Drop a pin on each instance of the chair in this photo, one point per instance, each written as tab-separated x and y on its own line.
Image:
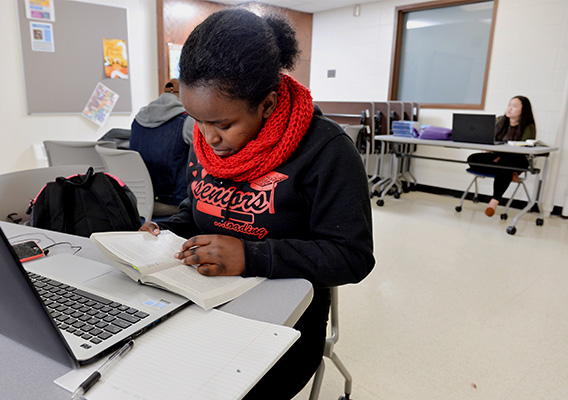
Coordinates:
480	175
18	188
63	152
353	131
118	135
130	168
329	353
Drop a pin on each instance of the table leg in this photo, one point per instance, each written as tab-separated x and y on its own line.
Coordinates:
393	179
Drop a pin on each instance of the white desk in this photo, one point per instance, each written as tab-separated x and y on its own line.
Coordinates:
403	149
25	374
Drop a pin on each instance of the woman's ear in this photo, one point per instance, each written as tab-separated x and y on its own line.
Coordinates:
268	105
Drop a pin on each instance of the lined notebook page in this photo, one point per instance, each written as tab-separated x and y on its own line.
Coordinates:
196	354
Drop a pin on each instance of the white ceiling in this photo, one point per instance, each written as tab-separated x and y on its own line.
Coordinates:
309	6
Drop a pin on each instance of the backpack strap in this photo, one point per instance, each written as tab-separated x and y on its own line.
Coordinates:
67	187
127	198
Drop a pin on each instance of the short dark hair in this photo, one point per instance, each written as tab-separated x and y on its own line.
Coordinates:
239	53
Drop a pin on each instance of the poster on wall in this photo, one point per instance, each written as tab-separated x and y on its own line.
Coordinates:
41	34
40	9
100	104
173	54
115	58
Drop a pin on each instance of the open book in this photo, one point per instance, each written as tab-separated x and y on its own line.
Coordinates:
150	260
526	143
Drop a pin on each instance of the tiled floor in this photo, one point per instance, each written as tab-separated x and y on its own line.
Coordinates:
456	308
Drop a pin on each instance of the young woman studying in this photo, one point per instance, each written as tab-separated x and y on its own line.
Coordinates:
518	125
274	189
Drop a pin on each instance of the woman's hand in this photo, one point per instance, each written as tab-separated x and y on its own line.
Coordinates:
151	227
214	254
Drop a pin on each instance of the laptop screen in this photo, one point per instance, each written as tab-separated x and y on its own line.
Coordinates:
473	128
23	315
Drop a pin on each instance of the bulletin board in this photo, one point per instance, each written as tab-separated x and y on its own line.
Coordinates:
62	81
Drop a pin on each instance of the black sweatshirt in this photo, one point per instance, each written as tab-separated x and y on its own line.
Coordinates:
309	218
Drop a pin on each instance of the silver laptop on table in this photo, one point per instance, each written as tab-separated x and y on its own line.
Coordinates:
75	310
474	128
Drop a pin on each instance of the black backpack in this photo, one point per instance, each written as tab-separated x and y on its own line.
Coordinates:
83	204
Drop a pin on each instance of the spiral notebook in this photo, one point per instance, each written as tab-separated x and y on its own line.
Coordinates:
198	354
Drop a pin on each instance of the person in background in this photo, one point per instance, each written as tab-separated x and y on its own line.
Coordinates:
161	132
275	189
517	125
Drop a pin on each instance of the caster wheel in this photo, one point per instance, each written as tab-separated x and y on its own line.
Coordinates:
475	200
458	208
380	203
391	192
375	193
397	195
539	222
511	230
343	397
504	216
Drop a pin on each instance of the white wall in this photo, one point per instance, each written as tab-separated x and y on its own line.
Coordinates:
530	57
20	131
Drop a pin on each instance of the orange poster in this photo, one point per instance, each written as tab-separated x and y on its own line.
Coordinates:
115	58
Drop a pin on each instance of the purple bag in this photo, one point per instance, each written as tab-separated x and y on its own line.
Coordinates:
436	133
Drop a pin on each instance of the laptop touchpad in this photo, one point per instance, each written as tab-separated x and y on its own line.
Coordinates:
112	282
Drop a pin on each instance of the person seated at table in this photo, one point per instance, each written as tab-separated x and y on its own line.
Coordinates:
161	133
275	189
518	125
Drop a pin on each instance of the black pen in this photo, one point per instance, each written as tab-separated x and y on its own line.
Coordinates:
95	376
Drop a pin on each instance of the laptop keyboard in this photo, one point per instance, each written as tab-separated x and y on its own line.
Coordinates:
87	315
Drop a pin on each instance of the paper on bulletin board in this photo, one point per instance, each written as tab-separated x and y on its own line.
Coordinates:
40	9
100	104
115	58
174	54
41	34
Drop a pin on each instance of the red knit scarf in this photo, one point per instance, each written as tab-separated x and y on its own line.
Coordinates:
277	140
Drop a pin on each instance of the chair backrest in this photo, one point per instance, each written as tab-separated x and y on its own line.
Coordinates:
68	152
119	136
18	188
128	166
353	131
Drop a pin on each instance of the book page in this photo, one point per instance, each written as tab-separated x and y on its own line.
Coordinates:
526	143
196	354
207	291
142	250
517	143
153	257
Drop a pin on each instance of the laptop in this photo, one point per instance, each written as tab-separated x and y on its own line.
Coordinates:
474	128
75	310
